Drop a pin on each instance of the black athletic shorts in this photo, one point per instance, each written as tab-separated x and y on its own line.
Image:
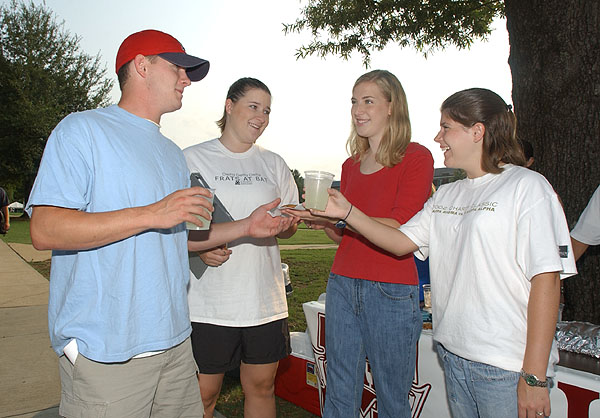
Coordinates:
218	349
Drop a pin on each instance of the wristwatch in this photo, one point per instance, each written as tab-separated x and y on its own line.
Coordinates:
341	224
532	380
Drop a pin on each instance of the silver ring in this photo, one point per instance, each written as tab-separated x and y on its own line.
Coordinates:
540	414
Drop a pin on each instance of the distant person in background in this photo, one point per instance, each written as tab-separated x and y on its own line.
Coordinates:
587	229
238	308
4	215
372	295
528	152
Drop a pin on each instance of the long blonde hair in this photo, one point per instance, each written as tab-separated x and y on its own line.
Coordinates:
398	133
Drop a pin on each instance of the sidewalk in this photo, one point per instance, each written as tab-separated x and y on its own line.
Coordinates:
28	253
29	383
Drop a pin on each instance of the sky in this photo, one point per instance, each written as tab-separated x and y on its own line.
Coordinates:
310	118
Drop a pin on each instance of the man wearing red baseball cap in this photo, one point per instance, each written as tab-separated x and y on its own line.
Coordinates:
147	48
111	200
153	42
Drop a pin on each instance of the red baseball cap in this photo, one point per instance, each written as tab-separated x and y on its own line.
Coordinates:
154	42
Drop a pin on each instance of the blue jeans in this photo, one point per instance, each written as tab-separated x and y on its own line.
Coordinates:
478	390
381	321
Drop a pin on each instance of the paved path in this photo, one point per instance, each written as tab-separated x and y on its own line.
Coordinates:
28	253
29	383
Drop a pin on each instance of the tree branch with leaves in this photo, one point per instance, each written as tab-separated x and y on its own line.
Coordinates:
44	76
341	27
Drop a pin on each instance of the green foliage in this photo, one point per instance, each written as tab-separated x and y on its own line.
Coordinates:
339	27
299	183
44	76
458	175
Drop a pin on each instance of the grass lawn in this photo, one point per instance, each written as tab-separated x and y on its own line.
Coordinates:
19	233
309	270
306	236
19	230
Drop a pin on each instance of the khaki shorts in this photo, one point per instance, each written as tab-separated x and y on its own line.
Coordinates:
163	385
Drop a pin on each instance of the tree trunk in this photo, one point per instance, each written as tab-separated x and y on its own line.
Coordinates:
555	64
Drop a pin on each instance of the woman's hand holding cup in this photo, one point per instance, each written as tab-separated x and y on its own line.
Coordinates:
337	206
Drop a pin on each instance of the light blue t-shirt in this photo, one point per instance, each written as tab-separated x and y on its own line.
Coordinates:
128	297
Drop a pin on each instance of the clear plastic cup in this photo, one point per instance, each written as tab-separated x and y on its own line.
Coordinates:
205	222
427	297
316	184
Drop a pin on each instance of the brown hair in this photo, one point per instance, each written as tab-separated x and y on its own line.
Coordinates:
398	133
237	91
123	73
500	143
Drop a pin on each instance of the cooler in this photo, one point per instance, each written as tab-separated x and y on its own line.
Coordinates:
296	379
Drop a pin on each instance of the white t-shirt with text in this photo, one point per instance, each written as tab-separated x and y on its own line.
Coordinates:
248	289
486	238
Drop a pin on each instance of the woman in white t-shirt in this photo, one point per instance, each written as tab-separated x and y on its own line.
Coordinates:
498	245
238	306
